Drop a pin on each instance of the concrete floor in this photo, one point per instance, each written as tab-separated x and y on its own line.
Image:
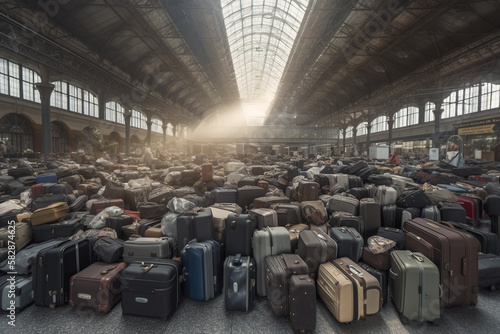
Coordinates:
210	317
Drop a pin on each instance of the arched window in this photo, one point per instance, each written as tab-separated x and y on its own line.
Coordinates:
405	117
59	137
349	132
429	115
157	125
380	124
170	129
16	132
138	120
461	102
361	129
114	112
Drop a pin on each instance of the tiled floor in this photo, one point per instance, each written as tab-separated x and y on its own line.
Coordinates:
210	317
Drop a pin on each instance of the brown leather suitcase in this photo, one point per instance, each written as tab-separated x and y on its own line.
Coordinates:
135	196
49	214
316	247
207	172
455	253
307	191
302	302
314	212
294	231
154	231
98	286
98	206
381	261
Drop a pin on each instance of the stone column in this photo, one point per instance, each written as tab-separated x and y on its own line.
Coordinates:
390	123
164	128
101	105
149	123
437	118
127	114
368	132
45	90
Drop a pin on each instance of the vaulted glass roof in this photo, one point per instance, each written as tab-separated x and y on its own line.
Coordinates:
261	34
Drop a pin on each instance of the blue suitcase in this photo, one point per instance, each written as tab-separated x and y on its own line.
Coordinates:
223	195
452	188
202	279
46	178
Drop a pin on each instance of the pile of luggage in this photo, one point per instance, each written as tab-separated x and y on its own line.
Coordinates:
356	234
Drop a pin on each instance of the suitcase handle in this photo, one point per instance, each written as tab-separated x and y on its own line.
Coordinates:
392	274
237	260
417	257
107	270
146	268
355	271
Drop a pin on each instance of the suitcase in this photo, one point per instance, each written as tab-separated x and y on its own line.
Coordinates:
314	212
266	202
202	274
382	277
453	212
356	167
161	195
97	287
49	214
17	234
307	191
53	269
348	291
148	249
492	208
288	213
151	289
265	217
28	180
366	172
257	170
46	200
431	212
302	303
348	220
380	180
294	231
247	181
389	215
488	241
207	172
238	234
455	256
107	249
414	286
316	247
239	283
219	218
415	199
152	210
98	206
345	204
16	294
395	234
359	192
266	242
62	229
74	181
341	180
114	190
489	270
473	206
355	181
20	172
134	197
386	195
380	261
278	270
467	171
452	188
245	195
223	195
46	178
116	223
79	203
409	213
369	210
349	242
195	224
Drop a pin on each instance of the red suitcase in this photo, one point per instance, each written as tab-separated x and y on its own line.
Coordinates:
473	206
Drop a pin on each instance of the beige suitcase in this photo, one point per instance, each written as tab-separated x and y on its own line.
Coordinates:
49	214
22	235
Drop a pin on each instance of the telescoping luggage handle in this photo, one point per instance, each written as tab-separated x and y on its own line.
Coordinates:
237	260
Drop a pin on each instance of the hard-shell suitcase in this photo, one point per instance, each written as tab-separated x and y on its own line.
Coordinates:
382	277
314	212
97	287
46	178
395	234
160	195
453	212
356	167
53	268
409	213
347	219
269	241
349	242
246	194
473	206
223	195
16	294
98	206
279	269
414	286
195	224
239	282
341	180
345	204
219	218
492	208
49	214
349	292
489	241
288	213
380	261
359	192
302	303
151	289
62	229
431	212
264	217
366	172
148	249
116	223
386	195
307	191
266	202
389	215
78	204
489	270
455	254
369	210
316	247
355	181
202	276
238	234
18	234
415	199
294	231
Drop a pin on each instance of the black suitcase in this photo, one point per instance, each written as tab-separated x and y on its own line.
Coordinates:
349	242
381	276
489	242
53	269
380	180
247	181
359	192
415	199
27	180
197	225
393	234
369	210
116	223
62	229
302	303
79	203
20	172
46	200
489	270
452	212
347	219
239	282
238	234
389	215
467	171
288	213
355	181
246	194
365	173
356	167
151	289
151	210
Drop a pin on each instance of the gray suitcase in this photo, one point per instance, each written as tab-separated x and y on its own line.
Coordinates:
414	286
148	249
269	241
22	294
239	282
265	217
386	195
341	180
343	203
431	212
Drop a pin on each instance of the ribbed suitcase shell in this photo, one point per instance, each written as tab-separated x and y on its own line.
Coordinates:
316	247
79	203
414	286
265	217
239	283
455	257
302	303
389	215
199	227
343	203
431	212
